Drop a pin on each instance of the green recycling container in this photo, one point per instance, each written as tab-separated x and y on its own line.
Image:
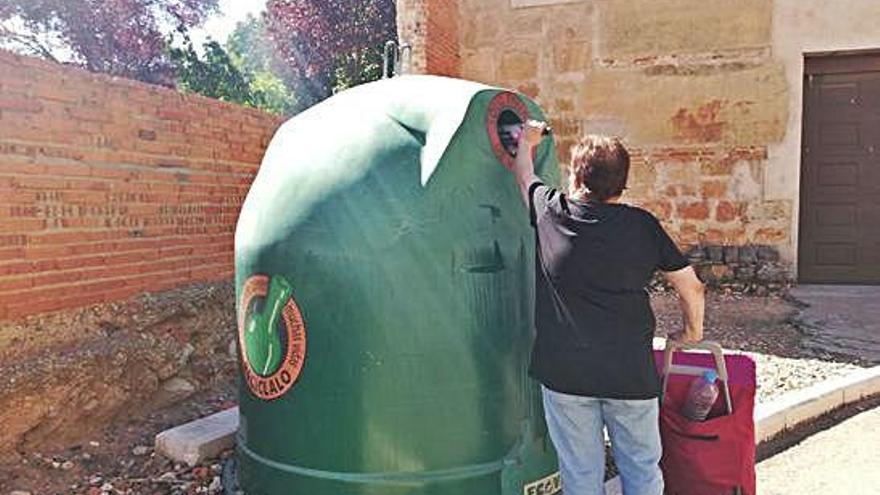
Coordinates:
384	279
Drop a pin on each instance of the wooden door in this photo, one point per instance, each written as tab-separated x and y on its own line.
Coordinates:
840	179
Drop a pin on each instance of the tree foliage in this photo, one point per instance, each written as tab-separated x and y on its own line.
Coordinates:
276	97
327	45
119	37
213	75
250	45
251	49
306	48
216	74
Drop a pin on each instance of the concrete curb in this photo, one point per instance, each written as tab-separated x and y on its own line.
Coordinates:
806	404
801	406
193	442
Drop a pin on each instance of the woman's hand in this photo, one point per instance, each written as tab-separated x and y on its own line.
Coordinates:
533	131
684	336
523	167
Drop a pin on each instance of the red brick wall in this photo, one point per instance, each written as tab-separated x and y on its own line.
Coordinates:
430	27
110	187
442	44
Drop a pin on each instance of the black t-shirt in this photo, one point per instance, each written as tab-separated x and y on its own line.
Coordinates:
595	326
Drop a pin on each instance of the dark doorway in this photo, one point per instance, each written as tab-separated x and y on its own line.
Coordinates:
840	177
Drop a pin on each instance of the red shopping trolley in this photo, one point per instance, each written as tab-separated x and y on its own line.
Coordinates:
716	456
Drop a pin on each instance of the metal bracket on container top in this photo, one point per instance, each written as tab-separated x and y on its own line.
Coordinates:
396	59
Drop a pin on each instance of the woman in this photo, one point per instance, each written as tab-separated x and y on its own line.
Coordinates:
593	353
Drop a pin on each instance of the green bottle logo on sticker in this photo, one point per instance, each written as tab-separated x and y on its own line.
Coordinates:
262	334
272	335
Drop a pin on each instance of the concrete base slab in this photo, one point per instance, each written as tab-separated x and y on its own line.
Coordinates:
193	442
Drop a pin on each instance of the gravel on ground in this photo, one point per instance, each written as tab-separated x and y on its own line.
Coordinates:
121	460
763	328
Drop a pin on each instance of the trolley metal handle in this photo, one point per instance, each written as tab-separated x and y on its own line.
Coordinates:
681	369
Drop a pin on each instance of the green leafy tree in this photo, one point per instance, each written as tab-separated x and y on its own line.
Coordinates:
213	75
327	45
119	37
251	49
276	97
216	74
250	45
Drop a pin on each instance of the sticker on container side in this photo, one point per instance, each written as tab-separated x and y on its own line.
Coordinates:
271	336
544	486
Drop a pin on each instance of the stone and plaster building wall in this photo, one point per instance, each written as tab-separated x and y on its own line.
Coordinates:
707	94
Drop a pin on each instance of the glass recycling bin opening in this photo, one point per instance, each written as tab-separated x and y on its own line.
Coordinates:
384	269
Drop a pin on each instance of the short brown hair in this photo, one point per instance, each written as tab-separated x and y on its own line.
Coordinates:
599	165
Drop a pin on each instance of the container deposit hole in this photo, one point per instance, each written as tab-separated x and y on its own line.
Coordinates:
509	127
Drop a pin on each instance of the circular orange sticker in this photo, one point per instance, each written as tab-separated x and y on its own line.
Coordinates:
271	336
502	102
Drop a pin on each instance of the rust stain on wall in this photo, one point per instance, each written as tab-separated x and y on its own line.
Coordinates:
701	125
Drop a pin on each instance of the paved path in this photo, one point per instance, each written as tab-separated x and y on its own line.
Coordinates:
841	319
843	460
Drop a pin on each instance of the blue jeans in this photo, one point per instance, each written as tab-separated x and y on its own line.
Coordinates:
575	424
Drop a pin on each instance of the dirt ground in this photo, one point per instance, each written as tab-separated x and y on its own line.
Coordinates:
84	392
758	324
118	459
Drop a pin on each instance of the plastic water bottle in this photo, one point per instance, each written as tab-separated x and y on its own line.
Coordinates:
701	396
